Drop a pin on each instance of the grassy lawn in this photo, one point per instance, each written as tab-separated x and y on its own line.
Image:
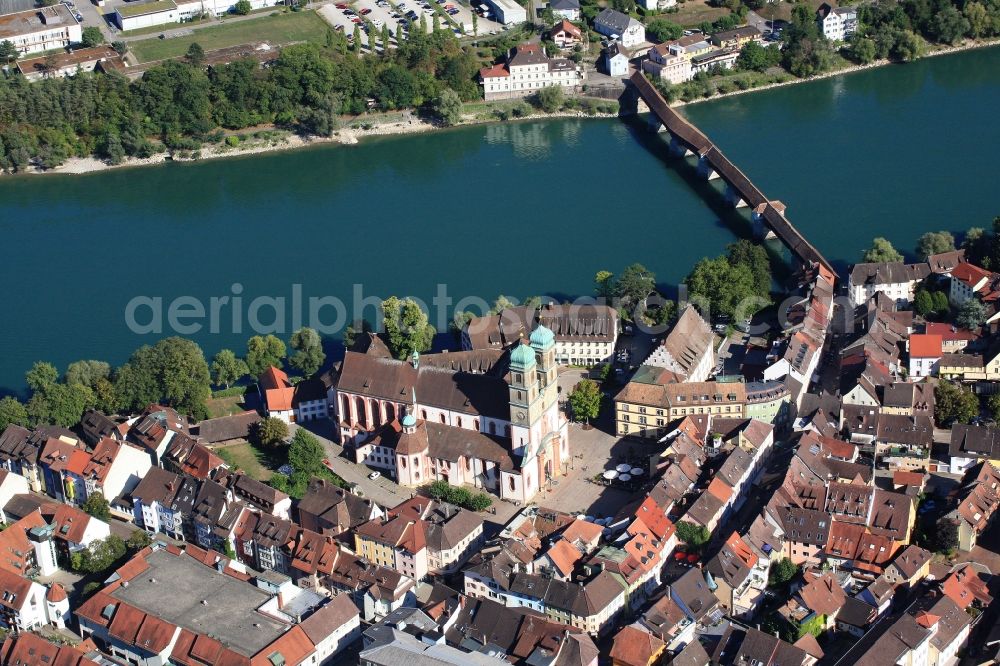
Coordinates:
694	12
224	406
157	29
257	463
281	29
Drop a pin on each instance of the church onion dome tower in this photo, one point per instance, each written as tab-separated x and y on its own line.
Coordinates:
542	338
522	357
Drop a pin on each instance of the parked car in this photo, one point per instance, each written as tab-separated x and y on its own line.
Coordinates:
366	11
374	475
340	6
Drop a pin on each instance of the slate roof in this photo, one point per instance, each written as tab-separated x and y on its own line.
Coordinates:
979	442
613	20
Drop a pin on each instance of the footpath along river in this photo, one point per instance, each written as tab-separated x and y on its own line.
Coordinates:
512	209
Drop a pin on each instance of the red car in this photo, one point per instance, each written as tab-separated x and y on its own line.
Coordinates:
356	20
365	11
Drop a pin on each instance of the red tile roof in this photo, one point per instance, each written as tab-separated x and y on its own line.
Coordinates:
19	588
969	274
29	649
496	71
564	556
901	478
278	391
15	549
949	332
923	345
56	593
70	522
741	550
823	595
294	645
719	489
567	27
964	586
635	647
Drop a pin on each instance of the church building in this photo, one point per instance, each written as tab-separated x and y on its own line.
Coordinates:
488	418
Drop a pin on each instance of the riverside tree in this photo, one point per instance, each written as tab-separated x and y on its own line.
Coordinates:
632	288
448	107
407	328
171	372
12	412
228	368
263	352
87	373
550	99
309	355
881	251
935	242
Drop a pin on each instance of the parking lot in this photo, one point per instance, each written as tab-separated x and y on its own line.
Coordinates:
340	21
379	15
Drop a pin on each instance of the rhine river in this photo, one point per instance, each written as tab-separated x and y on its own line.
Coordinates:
485	210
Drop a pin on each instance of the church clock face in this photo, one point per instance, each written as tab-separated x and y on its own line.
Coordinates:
520	415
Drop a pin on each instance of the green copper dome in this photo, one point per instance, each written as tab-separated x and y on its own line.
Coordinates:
542	337
523	357
409	421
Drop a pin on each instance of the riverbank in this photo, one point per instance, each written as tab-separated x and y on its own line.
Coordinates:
938	51
268	139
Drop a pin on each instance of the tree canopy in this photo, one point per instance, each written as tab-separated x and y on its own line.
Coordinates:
971	314
406	326
881	251
309	355
172	372
954	404
97	506
227	368
263	352
269	432
585	400
12	412
632	288
935	242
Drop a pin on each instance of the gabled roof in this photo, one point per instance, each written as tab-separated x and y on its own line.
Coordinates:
278	391
566	26
28	649
823	595
16	551
634	647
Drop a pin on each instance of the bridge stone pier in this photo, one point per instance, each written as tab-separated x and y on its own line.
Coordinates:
677	147
767	217
706	169
734	197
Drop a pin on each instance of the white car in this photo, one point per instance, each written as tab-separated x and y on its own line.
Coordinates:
374	475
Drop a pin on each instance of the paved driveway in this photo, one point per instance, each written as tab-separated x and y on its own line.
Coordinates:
383	490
